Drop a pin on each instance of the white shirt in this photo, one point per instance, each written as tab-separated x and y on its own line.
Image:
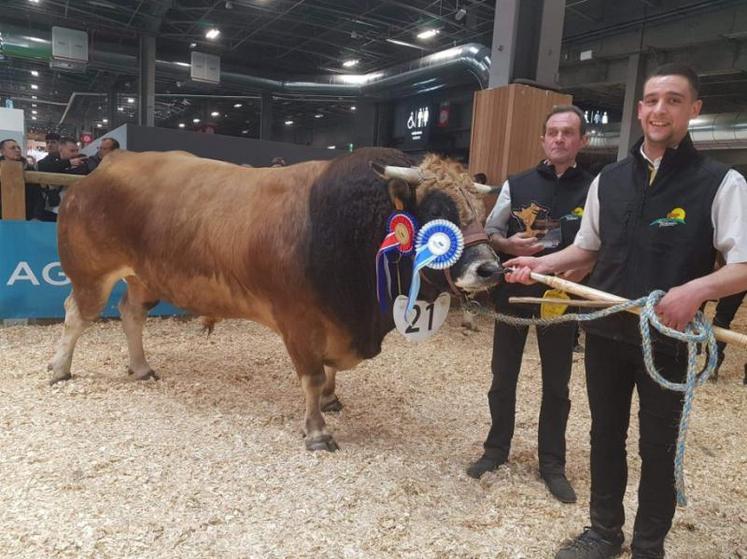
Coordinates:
497	222
728	216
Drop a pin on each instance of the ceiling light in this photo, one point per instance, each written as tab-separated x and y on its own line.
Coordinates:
35	73
33	118
182	125
288	122
215	113
192	45
120	109
212	33
33	112
34	1
34	86
318	115
403	44
353	108
331	147
350	63
427	34
237	105
245	131
99	125
33	96
195	120
33	105
105	121
130	99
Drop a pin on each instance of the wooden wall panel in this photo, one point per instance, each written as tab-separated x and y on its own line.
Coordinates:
506	129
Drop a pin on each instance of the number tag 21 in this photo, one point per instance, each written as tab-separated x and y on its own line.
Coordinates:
425	319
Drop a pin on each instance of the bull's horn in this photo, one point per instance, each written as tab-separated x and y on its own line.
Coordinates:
411	175
486	188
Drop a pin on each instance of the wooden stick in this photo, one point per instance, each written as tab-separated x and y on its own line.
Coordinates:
722	334
57	179
569	302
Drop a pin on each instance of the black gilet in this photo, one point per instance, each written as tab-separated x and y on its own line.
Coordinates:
654	236
560	199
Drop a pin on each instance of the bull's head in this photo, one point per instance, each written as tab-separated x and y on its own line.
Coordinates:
443	190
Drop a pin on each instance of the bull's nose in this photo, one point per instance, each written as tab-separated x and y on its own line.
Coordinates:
489	269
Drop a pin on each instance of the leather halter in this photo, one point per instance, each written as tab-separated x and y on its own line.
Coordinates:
473	234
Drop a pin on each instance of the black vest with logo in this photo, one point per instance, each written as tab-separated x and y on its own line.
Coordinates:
559	200
654	236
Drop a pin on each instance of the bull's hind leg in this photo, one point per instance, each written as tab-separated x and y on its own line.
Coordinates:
329	400
82	307
133	309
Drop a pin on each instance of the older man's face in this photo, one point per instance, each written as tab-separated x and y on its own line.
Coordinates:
105	148
12	151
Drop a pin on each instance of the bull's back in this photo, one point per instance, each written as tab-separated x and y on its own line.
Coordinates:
208	236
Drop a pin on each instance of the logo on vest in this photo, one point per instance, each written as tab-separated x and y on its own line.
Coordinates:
675	217
576	213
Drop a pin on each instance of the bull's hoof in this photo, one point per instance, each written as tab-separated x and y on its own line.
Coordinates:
149	374
323	442
60	378
332	405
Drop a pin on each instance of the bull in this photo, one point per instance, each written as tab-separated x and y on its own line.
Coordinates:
292	248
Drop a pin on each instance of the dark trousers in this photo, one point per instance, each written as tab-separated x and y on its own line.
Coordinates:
612	370
556	348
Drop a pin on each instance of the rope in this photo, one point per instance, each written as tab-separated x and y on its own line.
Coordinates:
699	331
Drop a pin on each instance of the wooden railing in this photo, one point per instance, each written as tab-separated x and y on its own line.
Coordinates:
13	181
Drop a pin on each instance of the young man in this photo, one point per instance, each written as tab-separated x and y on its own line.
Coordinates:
654	220
545	199
67	160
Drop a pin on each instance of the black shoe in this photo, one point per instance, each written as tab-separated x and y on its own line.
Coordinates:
647	555
589	545
484	464
560	487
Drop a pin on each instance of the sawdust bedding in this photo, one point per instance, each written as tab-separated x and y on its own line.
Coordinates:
209	461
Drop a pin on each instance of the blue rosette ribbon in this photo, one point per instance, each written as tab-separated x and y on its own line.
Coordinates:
439	245
400	237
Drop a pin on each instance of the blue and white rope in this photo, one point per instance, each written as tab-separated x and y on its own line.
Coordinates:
699	331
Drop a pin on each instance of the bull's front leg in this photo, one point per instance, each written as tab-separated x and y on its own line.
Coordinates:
317	437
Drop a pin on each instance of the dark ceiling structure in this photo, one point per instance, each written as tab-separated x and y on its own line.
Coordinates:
300	39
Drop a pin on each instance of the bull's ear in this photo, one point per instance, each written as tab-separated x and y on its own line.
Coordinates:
399	191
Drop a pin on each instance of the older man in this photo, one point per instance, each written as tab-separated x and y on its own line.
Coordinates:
10	150
547	201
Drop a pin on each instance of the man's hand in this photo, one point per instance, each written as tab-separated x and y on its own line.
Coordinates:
520	244
522	268
678	307
76	162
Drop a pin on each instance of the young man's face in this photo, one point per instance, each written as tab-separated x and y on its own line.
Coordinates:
53	146
11	150
69	150
562	139
665	111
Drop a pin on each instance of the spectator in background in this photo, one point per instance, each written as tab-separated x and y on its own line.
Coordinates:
68	160
278	162
10	150
31	161
106	146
